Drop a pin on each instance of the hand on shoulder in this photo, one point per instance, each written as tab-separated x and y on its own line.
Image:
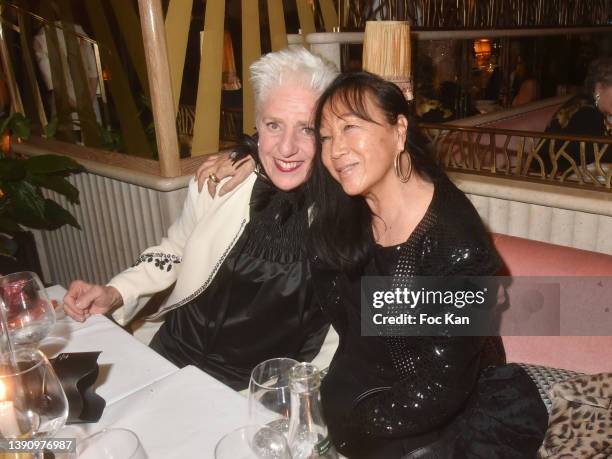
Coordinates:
219	166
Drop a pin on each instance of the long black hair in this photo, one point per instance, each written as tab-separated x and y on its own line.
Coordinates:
340	236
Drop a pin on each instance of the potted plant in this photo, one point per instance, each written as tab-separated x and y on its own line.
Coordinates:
22	203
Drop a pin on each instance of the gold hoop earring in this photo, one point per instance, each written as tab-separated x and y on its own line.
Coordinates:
398	167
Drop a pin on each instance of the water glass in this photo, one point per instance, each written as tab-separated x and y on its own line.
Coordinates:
111	444
269	395
29	313
253	442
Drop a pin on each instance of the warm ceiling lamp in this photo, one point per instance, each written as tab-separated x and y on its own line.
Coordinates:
482	49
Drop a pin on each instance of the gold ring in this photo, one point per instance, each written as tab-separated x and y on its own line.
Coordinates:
213	178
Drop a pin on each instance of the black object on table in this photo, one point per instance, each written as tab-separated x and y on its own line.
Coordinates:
77	372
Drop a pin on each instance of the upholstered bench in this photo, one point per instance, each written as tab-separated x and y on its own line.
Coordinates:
525	257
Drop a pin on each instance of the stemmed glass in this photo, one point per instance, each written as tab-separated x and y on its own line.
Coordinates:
29	313
269	396
111	444
253	442
32	402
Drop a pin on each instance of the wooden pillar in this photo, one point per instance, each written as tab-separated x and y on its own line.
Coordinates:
330	18
16	103
25	38
208	102
276	19
251	50
306	18
160	85
128	26
178	20
136	142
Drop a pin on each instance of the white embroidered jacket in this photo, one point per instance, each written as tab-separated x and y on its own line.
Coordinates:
190	255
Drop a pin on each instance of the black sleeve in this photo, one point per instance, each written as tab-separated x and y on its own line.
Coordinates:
586	121
313	342
437	376
246	146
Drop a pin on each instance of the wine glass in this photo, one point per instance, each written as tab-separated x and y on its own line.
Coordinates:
253	442
29	313
111	444
32	401
269	396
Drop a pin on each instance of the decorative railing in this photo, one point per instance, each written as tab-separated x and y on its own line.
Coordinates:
560	159
477	14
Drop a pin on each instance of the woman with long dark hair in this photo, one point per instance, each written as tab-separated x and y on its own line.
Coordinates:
381	207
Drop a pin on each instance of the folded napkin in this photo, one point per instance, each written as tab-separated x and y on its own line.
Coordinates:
77	372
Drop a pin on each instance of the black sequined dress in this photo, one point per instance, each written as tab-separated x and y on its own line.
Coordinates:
387	396
260	305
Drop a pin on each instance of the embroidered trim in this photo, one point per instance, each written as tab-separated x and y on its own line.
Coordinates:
163	261
204	286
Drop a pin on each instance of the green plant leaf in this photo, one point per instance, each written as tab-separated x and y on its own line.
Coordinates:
111	139
9	226
58	216
8	247
12	169
27	205
56	183
51	164
20	126
50	130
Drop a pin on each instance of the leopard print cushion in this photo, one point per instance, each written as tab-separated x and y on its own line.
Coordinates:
580	423
545	377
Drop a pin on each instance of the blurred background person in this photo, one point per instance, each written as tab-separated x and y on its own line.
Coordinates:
524	84
588	113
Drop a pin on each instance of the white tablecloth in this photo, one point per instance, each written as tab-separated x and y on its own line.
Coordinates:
126	365
181	416
175	413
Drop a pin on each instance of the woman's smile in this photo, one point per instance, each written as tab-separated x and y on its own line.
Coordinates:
346	170
287	166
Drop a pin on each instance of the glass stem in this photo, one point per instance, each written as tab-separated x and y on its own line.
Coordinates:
7	344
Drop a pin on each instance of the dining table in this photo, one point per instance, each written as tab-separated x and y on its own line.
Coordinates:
175	412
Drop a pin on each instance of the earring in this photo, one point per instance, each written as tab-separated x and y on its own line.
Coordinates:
597	96
398	167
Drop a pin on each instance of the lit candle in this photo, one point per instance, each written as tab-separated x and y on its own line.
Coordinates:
9	428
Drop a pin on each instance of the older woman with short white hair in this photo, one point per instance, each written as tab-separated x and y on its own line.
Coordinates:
242	292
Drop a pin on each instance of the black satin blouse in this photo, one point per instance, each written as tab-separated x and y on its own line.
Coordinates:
260	304
387	396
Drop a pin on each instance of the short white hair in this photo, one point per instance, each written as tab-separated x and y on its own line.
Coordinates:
291	65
